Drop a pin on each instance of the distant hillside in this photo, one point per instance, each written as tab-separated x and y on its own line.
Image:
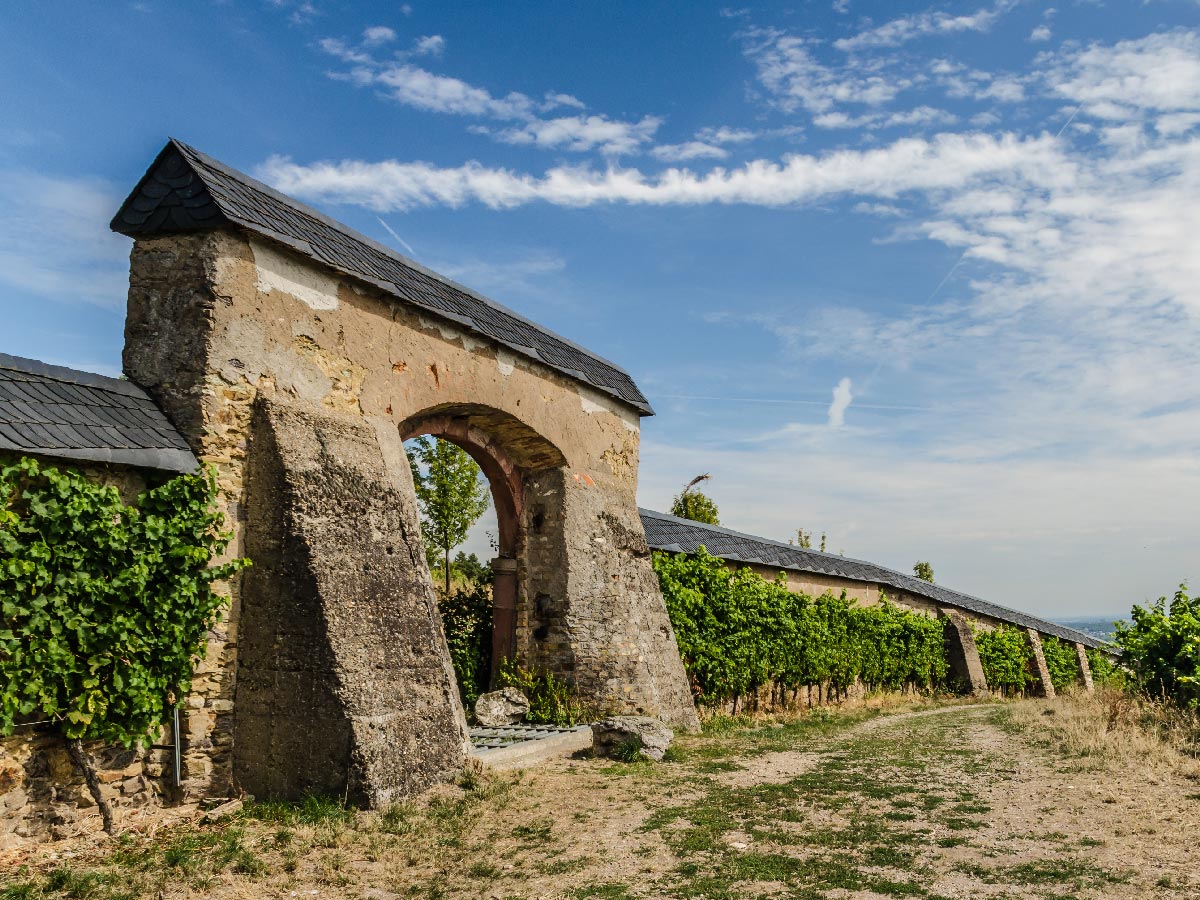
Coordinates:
1100	627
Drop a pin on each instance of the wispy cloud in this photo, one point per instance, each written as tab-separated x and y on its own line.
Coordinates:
578	133
55	241
689	150
795	78
931	22
415	86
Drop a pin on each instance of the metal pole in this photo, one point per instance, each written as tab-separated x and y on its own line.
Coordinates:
176	742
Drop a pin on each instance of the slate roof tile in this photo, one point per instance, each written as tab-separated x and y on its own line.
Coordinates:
57	412
675	535
185	190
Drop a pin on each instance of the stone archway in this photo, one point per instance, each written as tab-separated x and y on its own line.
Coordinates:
508	451
293	354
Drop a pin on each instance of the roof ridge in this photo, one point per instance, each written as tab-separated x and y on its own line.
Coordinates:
759	539
211	206
345	229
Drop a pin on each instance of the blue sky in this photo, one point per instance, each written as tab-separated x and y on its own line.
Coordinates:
923	277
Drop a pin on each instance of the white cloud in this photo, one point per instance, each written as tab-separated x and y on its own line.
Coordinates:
912	118
554	100
908	28
430	45
422	89
947	161
726	135
580	133
1155	74
378	34
1005	88
1040	33
842	396
688	150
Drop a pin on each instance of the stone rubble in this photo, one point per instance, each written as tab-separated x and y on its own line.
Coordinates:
611	733
507	706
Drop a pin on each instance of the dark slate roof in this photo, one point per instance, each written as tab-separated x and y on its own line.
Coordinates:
675	535
185	190
52	411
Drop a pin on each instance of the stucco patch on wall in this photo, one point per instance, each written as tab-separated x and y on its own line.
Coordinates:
278	272
592	402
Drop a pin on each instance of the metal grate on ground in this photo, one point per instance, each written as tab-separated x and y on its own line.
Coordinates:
493	738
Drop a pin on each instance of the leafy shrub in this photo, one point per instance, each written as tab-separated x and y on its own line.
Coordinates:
105	607
1162	648
1062	661
1006	656
738	631
467	622
551	701
1104	670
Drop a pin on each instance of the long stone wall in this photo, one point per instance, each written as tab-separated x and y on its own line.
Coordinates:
960	645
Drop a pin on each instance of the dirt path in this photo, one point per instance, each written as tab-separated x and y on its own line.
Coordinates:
947	802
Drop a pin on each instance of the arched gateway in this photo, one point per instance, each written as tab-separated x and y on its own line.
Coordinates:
296	355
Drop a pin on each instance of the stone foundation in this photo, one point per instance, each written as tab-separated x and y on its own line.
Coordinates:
43	795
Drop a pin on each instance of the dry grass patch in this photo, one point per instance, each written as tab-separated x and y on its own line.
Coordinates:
1114	729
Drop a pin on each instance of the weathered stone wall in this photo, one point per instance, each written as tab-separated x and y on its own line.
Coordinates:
343	686
43	795
218	320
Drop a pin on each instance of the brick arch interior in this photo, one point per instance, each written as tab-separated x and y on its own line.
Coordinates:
511	454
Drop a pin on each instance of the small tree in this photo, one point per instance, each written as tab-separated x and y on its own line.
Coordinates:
451	492
691	504
106	607
924	571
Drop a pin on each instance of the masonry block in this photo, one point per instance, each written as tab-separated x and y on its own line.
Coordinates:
1085	669
344	680
1037	667
961	651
